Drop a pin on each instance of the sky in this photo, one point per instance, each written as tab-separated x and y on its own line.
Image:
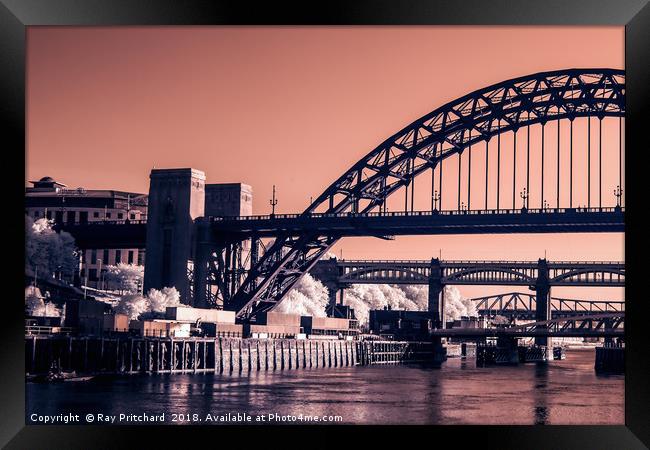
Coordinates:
296	107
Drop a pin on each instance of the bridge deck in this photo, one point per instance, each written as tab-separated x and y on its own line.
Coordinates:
560	220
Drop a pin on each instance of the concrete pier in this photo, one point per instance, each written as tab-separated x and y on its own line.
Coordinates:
610	359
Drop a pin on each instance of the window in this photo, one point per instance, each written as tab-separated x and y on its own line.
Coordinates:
132	216
48	214
105	257
96	214
92	275
71	216
83	216
108	215
58	218
93	256
120	215
36	214
118	256
130	260
141	257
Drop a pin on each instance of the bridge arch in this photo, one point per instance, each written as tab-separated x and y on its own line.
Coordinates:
467	121
404	272
577	275
511	274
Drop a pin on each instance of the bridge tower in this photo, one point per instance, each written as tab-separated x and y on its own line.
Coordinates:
436	294
176	198
543	298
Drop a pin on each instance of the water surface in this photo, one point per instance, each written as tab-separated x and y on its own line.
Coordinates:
560	392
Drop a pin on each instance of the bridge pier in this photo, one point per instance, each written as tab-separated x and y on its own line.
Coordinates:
543	300
436	294
201	261
327	272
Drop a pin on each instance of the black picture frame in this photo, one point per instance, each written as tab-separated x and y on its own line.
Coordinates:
16	15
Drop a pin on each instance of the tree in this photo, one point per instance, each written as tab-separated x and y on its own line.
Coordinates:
153	305
48	252
126	278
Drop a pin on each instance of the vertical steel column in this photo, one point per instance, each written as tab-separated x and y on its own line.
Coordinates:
600	162
469	170
487	148
514	165
542	194
460	160
498	163
588	162
557	203
440	180
412	183
620	153
406	187
528	164
433	184
571	164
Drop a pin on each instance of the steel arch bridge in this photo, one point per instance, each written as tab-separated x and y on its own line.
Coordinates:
421	147
483	273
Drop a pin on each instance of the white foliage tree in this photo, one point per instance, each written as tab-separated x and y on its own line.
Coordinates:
456	306
126	278
47	251
152	305
308	298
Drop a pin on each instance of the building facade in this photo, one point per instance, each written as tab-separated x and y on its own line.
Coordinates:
50	199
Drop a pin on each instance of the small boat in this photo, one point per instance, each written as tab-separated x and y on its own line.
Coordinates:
56	375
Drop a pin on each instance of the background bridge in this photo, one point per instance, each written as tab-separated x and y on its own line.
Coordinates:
522	305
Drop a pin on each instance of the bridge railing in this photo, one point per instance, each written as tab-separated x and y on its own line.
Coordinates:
350	262
451	212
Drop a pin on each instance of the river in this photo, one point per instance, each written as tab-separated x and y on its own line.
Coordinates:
559	392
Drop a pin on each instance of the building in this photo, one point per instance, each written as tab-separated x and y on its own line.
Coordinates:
399	324
53	200
329	327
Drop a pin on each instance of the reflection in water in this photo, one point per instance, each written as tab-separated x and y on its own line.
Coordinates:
540	382
560	392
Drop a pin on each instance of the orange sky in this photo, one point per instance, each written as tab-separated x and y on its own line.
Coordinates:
295	107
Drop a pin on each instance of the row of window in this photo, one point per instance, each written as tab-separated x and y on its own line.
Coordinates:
71	216
130	257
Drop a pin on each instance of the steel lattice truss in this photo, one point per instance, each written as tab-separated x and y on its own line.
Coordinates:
420	147
525	302
587	322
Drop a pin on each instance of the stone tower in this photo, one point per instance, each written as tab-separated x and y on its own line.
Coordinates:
176	198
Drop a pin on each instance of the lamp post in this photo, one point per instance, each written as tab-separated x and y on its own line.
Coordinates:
524	197
435	197
273	202
618	193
